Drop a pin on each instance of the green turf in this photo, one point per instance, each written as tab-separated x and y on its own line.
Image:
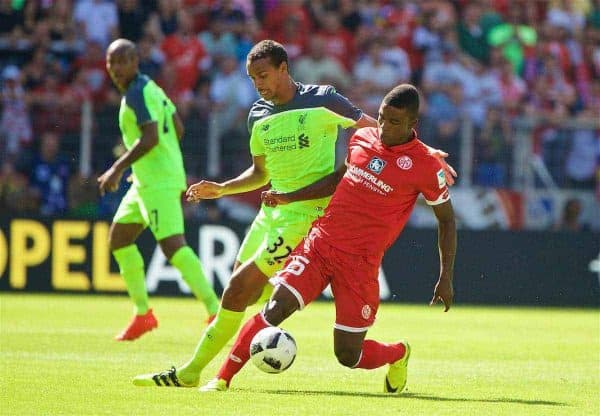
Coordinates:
58	357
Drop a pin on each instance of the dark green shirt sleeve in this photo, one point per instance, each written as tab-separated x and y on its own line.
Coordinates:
136	101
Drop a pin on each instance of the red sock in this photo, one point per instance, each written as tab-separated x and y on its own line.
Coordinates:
240	352
377	354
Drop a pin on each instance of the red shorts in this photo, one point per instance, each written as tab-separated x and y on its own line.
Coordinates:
354	281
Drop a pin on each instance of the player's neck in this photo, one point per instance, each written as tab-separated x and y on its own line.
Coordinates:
128	83
288	93
397	141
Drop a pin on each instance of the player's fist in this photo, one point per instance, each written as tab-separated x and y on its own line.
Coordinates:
109	180
272	198
204	190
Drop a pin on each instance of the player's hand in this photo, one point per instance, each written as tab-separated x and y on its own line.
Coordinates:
443	292
204	190
272	198
449	171
109	180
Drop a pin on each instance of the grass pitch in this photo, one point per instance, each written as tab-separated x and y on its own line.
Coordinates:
58	356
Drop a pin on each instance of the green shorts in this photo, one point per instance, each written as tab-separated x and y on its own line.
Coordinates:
272	237
158	208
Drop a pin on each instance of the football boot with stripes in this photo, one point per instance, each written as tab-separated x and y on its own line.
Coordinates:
165	379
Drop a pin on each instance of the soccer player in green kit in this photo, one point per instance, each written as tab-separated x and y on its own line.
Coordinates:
293	129
151	130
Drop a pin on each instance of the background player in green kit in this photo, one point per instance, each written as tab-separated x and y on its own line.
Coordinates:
293	130
151	130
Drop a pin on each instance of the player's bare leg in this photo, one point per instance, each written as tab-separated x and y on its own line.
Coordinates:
131	265
184	259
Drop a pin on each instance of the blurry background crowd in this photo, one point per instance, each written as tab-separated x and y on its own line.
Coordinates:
511	89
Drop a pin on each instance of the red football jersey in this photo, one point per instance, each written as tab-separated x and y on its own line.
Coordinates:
374	199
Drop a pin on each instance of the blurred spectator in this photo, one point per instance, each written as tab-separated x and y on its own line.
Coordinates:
396	56
83	197
562	13
349	14
482	90
293	37
230	13
275	17
571	215
98	20
60	20
92	68
444	72
49	175
217	40
514	38
151	58
131	19
10	18
374	77
168	19
232	94
493	151
512	87
339	43
15	195
186	53
471	35
15	125
35	70
552	96
319	68
443	120
581	161
427	40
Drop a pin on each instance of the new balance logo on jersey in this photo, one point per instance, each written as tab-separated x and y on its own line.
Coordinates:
303	141
265	127
376	165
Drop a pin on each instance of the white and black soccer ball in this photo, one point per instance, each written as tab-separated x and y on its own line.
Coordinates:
273	350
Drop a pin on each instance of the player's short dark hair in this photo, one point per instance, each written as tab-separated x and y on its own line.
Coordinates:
270	49
404	96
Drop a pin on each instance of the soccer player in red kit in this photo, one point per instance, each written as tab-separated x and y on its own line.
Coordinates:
386	169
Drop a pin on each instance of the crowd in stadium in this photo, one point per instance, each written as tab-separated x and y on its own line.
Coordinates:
488	63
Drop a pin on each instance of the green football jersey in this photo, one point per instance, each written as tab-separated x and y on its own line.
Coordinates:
145	102
298	138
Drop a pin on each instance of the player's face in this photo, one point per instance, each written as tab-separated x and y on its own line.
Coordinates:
395	124
267	78
122	68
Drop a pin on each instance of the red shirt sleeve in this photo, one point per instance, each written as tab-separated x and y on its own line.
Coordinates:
434	187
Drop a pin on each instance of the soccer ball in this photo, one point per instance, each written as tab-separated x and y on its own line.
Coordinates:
272	350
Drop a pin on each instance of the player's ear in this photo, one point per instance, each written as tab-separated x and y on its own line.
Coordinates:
283	67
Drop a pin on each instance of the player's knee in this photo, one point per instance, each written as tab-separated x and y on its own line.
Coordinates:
171	245
347	357
278	310
239	293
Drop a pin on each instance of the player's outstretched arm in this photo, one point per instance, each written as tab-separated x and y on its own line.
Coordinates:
365	121
444	290
252	178
319	189
109	180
